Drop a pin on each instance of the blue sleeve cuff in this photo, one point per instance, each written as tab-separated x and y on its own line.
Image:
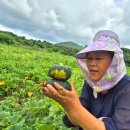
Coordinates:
110	124
67	122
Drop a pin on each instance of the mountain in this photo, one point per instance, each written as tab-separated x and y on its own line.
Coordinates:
70	45
13	39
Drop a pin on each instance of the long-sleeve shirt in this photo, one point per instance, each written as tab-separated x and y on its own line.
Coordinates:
113	107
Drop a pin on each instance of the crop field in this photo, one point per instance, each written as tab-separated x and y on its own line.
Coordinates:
22	104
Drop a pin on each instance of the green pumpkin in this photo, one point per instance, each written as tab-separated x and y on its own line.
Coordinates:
65	84
59	72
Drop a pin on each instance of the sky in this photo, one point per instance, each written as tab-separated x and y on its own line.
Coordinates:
66	20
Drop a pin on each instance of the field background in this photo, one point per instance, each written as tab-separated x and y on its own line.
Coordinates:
22	105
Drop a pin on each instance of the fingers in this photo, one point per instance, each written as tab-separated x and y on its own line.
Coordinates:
43	85
72	86
51	92
62	91
57	92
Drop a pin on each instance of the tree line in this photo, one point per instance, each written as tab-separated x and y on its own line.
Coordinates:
12	39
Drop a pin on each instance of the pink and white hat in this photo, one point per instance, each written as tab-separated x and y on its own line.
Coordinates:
104	40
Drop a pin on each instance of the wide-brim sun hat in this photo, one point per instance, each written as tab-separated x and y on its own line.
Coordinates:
105	40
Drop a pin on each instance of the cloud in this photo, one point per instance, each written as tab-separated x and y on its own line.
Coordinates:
62	20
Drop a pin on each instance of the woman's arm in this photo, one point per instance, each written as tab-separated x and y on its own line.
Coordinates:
76	113
85	119
85	100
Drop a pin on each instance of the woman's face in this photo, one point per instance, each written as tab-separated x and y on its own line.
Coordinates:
97	63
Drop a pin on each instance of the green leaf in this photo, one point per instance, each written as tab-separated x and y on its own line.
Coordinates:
14	119
46	127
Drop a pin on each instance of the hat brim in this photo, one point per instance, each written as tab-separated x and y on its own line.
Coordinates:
97	46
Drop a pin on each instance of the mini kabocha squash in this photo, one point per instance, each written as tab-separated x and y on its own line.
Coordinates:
63	83
59	72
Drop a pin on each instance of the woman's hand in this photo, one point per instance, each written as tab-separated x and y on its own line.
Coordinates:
76	113
69	100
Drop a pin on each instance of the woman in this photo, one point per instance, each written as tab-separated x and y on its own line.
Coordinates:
103	104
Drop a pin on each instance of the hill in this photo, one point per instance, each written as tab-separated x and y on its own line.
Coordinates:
66	48
13	39
70	44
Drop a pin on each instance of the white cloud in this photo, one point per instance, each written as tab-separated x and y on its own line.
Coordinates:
17	7
62	20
